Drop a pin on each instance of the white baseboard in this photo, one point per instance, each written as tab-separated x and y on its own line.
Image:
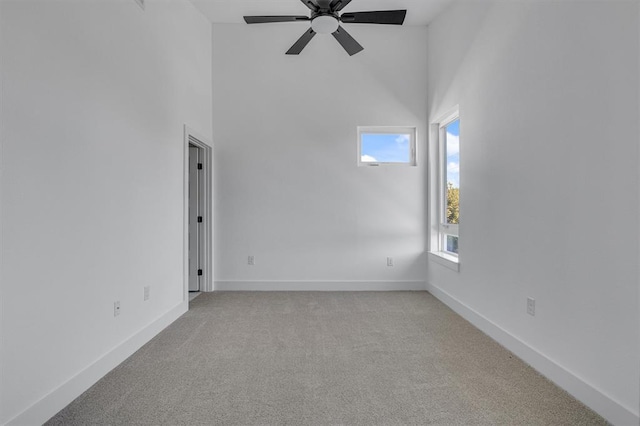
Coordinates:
56	400
319	286
589	395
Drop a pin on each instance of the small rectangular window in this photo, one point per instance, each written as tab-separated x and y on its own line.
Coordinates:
386	145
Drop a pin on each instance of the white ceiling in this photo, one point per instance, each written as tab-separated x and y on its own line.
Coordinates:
419	12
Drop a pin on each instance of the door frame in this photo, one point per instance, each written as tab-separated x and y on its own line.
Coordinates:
194	138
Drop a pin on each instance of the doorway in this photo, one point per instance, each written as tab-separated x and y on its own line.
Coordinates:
196	236
198	215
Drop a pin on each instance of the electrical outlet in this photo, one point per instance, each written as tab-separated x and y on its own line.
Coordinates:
389	261
251	260
531	306
116	308
147	292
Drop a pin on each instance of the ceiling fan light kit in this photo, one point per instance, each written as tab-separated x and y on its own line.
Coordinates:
324	24
325	19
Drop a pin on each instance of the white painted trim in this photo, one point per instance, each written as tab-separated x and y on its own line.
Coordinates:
445	259
585	392
447	117
319	286
185	216
57	399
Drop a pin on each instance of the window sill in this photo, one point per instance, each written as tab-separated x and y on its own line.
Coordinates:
386	164
445	259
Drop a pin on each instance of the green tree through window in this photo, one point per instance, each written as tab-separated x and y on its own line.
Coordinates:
451	196
453	204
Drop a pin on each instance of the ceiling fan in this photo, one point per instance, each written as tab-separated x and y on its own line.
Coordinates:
325	18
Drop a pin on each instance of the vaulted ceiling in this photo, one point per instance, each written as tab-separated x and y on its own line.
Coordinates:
419	12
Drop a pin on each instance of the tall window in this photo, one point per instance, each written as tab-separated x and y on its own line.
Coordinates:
444	190
449	185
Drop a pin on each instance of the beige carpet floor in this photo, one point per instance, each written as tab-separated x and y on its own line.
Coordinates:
315	358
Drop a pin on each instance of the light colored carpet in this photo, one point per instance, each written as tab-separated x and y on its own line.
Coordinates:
323	358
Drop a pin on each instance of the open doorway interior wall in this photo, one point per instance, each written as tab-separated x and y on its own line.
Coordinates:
196	234
198	214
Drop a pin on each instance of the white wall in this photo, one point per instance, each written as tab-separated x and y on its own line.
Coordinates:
289	190
548	95
95	95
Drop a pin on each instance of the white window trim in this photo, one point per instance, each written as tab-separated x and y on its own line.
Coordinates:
413	136
437	199
446	260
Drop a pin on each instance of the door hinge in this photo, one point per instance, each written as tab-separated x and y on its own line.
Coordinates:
199	219
199	272
199	166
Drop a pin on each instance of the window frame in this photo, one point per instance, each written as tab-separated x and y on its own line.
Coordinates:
389	130
445	229
440	229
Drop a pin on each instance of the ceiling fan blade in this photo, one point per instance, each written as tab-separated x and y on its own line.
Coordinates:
392	17
301	43
349	43
268	19
338	5
311	4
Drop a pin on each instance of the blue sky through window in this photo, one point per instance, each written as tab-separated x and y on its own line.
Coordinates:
385	148
453	153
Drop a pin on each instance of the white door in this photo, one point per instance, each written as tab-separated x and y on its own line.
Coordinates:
196	237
